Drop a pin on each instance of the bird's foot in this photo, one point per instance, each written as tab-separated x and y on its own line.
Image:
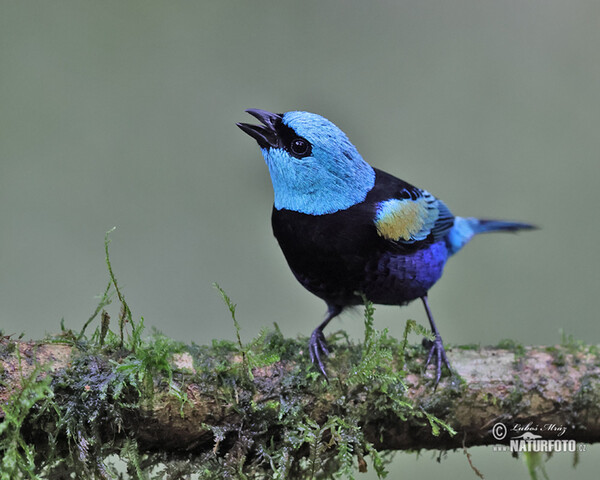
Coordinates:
436	348
317	346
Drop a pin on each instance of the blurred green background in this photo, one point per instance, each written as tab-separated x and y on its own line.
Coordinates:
123	114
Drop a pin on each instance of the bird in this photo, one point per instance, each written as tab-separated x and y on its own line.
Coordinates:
351	232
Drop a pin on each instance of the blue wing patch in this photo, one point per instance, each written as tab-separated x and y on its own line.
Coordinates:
409	220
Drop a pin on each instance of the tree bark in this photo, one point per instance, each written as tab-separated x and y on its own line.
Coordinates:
553	392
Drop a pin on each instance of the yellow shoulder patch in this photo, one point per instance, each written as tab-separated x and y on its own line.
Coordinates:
405	220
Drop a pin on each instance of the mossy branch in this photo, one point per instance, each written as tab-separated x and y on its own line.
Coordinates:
71	403
206	406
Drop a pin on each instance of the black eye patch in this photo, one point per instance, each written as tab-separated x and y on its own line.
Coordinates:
297	146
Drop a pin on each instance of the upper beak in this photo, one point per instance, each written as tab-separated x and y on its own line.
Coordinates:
266	134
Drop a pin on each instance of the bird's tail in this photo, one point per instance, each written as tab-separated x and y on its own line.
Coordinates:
465	228
483	226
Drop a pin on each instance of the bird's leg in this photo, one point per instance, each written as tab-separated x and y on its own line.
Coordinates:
317	344
438	346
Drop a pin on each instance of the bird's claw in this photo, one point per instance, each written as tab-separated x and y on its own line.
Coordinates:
437	348
317	346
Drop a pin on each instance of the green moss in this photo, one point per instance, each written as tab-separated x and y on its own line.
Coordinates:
535	463
513	402
517	348
558	355
6	347
19	455
569	343
84	416
588	395
301	447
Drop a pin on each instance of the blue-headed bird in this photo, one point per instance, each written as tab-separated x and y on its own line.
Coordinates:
350	231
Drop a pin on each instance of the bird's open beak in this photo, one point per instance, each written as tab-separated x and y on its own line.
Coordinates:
265	134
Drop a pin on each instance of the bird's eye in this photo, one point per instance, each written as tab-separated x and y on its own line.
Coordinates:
300	147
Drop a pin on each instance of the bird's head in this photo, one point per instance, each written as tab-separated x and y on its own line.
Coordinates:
314	168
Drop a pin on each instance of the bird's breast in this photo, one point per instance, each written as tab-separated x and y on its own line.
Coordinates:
339	255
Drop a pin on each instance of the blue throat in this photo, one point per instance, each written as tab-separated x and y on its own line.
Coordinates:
318	195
